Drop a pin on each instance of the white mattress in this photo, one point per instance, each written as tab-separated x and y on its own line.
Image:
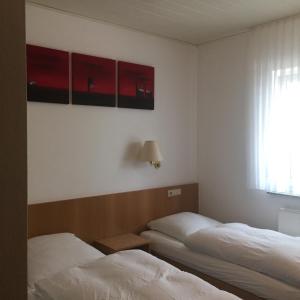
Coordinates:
248	280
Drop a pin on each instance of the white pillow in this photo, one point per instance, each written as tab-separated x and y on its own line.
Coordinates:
181	225
49	254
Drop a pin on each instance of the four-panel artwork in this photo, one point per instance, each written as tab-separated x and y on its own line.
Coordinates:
94	80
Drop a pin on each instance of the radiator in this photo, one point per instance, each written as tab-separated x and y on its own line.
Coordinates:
289	221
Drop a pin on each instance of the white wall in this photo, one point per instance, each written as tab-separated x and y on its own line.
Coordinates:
224	139
76	151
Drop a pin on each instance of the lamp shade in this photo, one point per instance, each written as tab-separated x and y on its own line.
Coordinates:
151	152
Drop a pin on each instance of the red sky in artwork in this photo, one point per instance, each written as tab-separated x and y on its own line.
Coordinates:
47	67
101	70
131	75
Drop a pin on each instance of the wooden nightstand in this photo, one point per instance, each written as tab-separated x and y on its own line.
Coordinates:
122	242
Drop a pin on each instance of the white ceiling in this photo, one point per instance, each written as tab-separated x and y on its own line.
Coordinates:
193	21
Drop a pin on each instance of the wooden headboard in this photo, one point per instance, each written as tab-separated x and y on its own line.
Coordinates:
97	217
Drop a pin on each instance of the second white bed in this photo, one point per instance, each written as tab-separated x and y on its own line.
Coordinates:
248	280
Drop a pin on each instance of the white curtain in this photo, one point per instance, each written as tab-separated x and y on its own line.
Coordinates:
275	62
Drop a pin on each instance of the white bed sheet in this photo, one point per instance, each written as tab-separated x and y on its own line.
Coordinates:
127	275
248	280
262	250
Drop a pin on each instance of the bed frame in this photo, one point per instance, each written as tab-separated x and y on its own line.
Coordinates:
93	218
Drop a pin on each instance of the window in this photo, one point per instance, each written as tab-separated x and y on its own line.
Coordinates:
276	68
279	153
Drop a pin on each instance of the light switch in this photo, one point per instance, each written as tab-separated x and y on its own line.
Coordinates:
173	193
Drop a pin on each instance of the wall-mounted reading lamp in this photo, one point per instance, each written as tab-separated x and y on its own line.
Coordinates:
151	153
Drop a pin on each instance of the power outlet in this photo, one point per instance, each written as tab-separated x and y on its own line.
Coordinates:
173	193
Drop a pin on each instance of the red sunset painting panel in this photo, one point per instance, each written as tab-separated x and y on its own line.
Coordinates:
135	86
47	75
93	80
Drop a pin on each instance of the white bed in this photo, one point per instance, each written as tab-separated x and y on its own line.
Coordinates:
63	267
172	248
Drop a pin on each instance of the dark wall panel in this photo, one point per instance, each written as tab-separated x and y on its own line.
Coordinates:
13	157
